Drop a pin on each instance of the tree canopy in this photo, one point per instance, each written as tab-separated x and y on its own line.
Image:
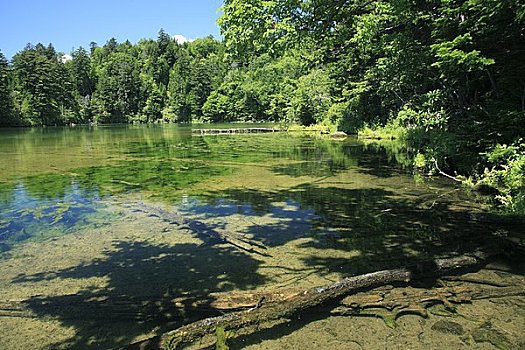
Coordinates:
448	73
153	80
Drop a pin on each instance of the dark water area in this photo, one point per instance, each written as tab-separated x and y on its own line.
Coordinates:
143	214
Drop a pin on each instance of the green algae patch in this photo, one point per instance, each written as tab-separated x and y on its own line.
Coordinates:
142	215
164	180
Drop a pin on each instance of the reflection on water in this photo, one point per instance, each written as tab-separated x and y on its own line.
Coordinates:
55	178
140	215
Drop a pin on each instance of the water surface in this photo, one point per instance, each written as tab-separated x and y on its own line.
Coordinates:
135	214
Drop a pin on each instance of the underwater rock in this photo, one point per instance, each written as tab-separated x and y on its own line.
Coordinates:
448	327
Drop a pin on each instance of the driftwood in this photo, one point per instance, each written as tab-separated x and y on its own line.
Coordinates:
266	314
398	300
248	312
441	172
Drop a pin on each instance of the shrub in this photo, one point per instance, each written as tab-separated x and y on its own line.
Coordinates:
507	174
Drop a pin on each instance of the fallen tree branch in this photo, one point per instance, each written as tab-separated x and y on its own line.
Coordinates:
109	307
266	314
443	173
210	235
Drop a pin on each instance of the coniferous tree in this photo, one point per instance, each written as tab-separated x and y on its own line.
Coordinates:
6	104
44	91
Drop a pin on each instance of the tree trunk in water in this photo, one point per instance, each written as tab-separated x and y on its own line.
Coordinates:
268	314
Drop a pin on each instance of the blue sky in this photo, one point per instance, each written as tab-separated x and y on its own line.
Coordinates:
71	24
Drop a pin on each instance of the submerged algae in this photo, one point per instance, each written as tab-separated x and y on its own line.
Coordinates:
317	210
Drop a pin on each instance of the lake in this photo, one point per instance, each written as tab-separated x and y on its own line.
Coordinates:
100	227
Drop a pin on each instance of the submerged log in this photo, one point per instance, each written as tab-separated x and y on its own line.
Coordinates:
114	307
261	310
209	235
266	314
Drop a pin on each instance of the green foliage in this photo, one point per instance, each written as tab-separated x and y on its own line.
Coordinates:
198	71
311	100
43	89
450	58
118	88
253	27
152	81
388	132
429	72
507	174
420	161
446	76
219	107
82	73
222	337
261	91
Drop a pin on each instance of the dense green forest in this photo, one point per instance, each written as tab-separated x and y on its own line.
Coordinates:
447	76
151	81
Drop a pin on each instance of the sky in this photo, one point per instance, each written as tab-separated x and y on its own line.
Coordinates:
69	24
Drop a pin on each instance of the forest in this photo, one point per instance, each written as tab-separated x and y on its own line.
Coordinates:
447	77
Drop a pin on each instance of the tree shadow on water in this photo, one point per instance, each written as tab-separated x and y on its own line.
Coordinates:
384	228
363	230
142	281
